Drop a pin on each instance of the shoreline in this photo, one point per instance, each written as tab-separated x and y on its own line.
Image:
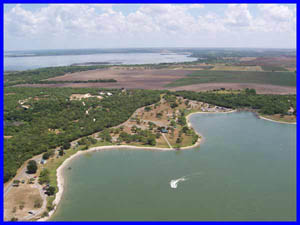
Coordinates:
60	176
276	121
59	171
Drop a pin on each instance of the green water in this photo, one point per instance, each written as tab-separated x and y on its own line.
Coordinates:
244	170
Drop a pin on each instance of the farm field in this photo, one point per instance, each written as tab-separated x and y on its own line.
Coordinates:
209	76
273	68
237	68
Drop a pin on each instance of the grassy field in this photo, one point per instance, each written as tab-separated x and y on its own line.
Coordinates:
273	68
210	76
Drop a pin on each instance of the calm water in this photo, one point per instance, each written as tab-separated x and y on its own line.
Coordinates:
244	170
24	63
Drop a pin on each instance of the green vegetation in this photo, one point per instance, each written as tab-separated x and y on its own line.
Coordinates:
273	68
213	76
87	142
32	166
144	137
44	177
50	190
48	154
39	75
265	104
227	55
16	182
171	99
76	81
51	109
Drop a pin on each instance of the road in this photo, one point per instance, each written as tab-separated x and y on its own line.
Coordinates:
167	141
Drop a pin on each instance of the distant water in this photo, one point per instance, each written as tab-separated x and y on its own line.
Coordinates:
26	61
244	170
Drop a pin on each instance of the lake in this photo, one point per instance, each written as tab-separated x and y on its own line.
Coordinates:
244	170
33	62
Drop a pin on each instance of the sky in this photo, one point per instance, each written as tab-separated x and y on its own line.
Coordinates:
74	26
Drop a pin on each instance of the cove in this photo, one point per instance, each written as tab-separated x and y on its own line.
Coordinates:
244	170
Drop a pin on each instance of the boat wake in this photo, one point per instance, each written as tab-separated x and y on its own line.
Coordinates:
174	183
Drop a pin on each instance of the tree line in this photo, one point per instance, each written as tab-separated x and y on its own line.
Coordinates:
263	103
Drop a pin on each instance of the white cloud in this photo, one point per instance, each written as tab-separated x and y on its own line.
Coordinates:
154	24
275	18
238	15
276	12
196	6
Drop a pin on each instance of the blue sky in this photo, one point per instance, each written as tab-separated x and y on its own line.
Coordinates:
48	26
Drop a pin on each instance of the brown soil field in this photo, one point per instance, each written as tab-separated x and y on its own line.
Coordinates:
134	78
260	88
137	78
237	68
243	59
25	195
156	85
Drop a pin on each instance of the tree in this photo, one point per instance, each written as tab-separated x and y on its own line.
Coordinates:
14	219
32	166
60	152
104	135
178	140
185	129
16	182
173	123
173	105
250	91
158	135
45	214
151	141
66	145
44	177
133	129
50	190
147	108
182	120
46	155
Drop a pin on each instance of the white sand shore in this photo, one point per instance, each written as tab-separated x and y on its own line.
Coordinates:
264	118
59	171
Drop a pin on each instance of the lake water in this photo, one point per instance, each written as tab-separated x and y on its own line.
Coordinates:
33	62
244	170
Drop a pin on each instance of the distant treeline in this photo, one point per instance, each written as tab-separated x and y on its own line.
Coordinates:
75	81
265	104
37	76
